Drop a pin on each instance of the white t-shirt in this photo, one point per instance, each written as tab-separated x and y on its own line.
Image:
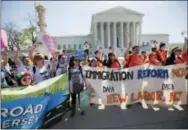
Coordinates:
23	67
76	77
63	68
40	74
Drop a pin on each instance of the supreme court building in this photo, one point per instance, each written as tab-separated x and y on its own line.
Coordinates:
108	28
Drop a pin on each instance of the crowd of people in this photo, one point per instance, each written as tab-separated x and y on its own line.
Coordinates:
33	68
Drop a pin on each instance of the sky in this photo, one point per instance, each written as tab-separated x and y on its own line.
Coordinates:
65	18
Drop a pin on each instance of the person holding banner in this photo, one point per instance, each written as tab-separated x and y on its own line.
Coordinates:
144	57
112	61
161	53
93	63
98	58
76	82
174	57
134	59
40	72
153	59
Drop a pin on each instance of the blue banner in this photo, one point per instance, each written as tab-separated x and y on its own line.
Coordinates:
56	99
79	53
23	113
26	108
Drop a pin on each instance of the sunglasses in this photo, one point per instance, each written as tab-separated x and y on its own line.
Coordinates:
26	79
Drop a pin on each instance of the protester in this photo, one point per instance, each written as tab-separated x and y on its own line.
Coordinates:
76	82
153	59
105	60
40	71
98	58
23	65
134	59
174	57
93	63
62	65
6	78
112	50
126	61
53	65
143	56
161	53
112	61
86	60
24	79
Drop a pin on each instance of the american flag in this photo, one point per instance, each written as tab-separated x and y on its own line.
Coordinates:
50	43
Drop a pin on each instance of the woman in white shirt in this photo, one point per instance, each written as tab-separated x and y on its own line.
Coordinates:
40	71
26	65
62	65
76	81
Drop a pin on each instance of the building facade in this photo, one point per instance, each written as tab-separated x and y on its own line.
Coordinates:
113	27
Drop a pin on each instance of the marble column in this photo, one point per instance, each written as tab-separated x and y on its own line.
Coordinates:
114	36
136	34
108	35
121	35
95	34
128	31
133	34
102	34
140	32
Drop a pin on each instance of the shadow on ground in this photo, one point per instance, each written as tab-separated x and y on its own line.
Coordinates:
136	117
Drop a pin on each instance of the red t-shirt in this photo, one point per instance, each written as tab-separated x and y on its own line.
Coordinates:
115	65
185	57
135	60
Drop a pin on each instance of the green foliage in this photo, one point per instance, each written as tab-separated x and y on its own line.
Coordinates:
27	36
71	50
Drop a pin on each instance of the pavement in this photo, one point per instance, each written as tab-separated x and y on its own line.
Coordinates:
113	117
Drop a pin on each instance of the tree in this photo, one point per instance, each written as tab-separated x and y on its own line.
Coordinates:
31	30
13	35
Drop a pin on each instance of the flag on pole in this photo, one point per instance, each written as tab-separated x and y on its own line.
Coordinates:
4	42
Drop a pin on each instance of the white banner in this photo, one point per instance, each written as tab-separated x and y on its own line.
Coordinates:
149	84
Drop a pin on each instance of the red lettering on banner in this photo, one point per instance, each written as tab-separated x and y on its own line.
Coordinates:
175	96
115	98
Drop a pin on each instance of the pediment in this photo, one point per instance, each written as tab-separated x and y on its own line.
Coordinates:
119	10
